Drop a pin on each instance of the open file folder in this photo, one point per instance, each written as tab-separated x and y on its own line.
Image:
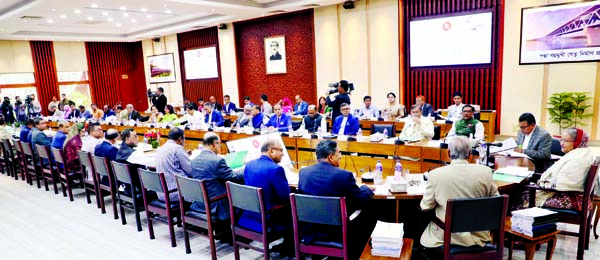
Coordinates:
236	159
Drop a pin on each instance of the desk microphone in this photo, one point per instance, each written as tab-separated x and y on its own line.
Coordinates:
494	144
444	145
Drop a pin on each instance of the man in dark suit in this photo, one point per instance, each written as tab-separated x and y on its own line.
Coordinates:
312	122
257	117
326	179
212	115
211	168
133	115
216	105
533	141
280	121
266	173
24	135
275	55
107	148
37	134
160	100
75	113
228	106
130	141
426	109
336	101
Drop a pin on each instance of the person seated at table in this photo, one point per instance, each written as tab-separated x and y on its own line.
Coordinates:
323	108
247	101
460	179
172	159
567	174
216	105
121	113
107	112
228	106
346	123
61	135
59	112
257	117
37	133
211	168
426	108
135	157
84	114
368	110
243	118
393	110
533	140
467	126
313	121
155	115
326	179
286	105
266	173
97	114
93	138
170	115
72	146
416	127
132	114
75	113
280	121
108	148
300	108
200	104
455	110
193	117
24	134
212	115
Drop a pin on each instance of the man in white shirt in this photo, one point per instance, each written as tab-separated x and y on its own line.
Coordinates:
417	128
93	138
266	108
368	110
193	117
455	111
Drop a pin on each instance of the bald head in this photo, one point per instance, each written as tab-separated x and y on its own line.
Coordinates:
111	135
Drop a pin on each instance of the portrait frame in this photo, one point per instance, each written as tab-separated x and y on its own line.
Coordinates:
275	55
161	68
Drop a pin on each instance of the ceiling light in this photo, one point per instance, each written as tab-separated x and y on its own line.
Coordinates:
133	21
90	18
62	16
167	11
144	9
164	5
149	16
109	19
105	13
77	11
53	9
123	8
118	25
212	10
94	5
50	21
125	14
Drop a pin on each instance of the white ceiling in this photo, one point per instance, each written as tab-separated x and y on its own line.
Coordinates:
129	20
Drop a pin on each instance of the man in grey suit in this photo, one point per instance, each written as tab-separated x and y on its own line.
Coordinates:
243	118
533	141
211	168
457	180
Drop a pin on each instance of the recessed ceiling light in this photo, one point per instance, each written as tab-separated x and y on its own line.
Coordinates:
118	25
77	11
53	9
105	13
123	8
212	10
50	21
165	5
144	9
62	16
94	5
133	21
125	14
149	16
167	11
90	18
109	19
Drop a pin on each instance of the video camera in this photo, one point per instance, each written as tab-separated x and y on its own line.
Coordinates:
151	94
333	87
28	100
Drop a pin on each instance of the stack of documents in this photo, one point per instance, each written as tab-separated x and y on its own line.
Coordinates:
511	174
386	239
534	221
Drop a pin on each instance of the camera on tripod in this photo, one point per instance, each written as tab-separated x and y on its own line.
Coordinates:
333	87
28	100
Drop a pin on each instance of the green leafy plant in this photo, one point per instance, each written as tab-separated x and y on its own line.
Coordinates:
567	109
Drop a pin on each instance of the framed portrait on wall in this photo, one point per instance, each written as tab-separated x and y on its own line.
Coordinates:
162	68
275	54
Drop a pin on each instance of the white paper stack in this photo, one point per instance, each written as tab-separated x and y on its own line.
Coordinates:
534	221
386	239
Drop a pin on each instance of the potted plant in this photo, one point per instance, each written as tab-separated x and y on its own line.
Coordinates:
567	109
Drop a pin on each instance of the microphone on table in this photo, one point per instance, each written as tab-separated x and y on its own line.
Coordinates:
494	144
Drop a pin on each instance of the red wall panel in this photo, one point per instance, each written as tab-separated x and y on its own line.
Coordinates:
200	88
116	72
298	29
44	66
480	85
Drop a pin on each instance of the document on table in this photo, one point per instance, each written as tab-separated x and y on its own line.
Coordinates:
508	144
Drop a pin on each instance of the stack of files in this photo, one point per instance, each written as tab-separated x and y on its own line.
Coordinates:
534	221
386	239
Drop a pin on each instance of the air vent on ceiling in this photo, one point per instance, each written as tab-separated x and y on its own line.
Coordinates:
31	17
88	22
312	5
276	11
198	27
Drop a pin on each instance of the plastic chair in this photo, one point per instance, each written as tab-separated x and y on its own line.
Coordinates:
303	212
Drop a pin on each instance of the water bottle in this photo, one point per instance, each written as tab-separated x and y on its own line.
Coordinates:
398	173
263	128
385	133
145	139
378	178
359	133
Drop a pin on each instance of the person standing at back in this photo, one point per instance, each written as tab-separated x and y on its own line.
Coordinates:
336	101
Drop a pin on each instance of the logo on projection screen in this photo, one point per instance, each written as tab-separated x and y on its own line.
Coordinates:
446	26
